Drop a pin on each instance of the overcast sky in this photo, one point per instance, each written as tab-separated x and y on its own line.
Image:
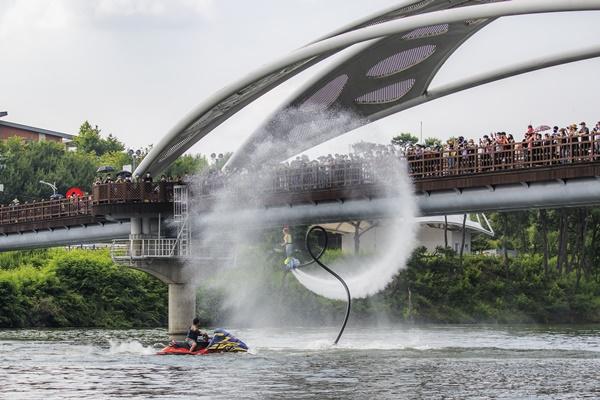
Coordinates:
135	67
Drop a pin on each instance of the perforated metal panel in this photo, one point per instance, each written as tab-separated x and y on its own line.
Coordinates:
325	96
428	31
387	94
401	61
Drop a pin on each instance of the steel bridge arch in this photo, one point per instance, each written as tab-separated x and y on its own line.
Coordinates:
406	18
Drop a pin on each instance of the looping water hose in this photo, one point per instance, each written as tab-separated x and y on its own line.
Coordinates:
339	278
314	259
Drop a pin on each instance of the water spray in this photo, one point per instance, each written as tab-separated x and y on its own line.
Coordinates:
339	278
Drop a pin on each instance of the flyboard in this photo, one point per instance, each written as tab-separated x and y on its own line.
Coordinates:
291	263
221	342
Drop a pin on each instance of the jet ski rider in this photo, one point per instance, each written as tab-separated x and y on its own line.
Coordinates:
196	338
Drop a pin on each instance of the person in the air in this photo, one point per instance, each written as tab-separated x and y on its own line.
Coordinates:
287	241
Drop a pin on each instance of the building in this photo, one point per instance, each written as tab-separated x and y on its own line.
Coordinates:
10	129
430	234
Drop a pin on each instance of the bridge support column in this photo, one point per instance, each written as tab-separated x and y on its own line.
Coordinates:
136	227
182	308
146	227
182	292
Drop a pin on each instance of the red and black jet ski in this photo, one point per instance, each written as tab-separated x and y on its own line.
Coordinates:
221	342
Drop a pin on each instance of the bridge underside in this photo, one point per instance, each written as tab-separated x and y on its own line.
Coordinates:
509	197
65	236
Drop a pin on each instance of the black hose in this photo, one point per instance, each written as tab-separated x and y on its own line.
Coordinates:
314	259
339	278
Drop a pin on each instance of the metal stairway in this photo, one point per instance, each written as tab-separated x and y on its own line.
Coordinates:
129	251
181	217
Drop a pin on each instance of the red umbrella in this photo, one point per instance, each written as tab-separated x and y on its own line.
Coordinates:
74	191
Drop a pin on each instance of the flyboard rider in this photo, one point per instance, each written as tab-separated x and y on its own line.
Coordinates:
290	262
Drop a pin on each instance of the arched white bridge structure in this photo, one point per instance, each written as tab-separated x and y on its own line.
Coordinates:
394	57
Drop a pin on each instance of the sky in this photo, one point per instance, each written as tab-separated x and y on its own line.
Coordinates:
136	67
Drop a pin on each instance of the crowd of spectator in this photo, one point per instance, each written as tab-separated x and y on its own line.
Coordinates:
303	173
147	178
496	151
538	147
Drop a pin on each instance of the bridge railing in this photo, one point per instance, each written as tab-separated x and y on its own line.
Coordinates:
500	157
295	179
44	210
133	192
130	249
320	176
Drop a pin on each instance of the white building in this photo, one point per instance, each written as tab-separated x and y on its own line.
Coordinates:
430	235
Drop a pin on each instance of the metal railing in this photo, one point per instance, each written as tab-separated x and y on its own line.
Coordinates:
132	192
500	157
44	210
140	249
132	249
313	176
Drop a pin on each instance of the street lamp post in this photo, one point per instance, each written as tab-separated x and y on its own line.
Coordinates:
134	154
52	185
219	160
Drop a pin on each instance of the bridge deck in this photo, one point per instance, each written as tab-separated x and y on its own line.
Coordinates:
509	176
349	180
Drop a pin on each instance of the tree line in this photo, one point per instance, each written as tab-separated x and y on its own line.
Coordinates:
77	288
23	164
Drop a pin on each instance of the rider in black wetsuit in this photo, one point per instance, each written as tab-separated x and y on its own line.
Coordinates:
195	338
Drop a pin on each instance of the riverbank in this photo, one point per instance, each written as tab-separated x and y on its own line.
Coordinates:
59	288
431	289
78	288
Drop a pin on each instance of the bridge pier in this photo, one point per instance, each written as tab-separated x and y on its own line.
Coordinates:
146	226
182	308
182	292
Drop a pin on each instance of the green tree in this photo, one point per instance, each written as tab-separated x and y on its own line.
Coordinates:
404	139
115	159
25	164
89	140
187	164
433	141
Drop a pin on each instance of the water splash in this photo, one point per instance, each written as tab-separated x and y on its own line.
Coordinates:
244	293
130	347
397	237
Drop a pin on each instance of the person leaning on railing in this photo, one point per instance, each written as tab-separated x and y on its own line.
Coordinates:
596	138
584	140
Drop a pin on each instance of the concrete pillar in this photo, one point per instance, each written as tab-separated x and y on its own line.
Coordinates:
136	228
134	235
146	228
182	308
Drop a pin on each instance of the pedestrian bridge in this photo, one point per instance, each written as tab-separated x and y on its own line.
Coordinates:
482	179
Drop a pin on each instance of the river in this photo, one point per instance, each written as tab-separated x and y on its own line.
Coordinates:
432	362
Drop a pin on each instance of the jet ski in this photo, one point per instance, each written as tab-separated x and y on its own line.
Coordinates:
221	342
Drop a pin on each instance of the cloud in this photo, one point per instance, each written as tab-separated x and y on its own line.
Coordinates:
153	8
21	16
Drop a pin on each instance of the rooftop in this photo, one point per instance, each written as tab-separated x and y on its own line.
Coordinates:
37	130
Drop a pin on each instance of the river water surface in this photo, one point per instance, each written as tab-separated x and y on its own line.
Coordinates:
434	362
